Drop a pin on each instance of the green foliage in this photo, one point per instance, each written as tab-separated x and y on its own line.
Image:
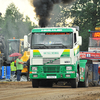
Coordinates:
60	19
14	24
1	19
86	15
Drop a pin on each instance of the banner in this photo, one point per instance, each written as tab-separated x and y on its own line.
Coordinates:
89	55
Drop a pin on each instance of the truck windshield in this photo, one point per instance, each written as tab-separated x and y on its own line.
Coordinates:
21	47
94	42
51	40
13	47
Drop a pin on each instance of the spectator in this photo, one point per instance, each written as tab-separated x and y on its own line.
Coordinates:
19	65
13	68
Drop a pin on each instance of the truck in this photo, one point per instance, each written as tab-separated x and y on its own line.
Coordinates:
94	40
12	46
2	52
54	57
17	45
93	56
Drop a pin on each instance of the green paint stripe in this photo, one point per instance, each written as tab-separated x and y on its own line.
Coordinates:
37	56
36	52
65	53
52	30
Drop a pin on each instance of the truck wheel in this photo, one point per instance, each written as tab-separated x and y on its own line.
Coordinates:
35	83
74	82
85	83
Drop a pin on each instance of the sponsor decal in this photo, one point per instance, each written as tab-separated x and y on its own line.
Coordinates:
36	53
76	50
66	53
51	53
51	30
89	55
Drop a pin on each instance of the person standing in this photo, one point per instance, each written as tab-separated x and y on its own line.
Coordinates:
13	68
19	65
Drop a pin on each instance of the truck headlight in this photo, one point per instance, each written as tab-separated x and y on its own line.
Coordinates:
34	68
69	68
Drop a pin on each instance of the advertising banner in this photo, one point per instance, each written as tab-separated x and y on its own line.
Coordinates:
89	55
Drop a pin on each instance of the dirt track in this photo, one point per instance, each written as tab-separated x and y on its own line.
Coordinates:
24	91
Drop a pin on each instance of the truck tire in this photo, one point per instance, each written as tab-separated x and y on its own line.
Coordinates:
74	82
35	83
85	83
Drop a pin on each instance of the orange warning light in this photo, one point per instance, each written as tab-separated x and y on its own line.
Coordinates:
13	37
96	35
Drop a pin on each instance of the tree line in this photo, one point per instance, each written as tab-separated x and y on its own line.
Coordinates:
13	24
85	14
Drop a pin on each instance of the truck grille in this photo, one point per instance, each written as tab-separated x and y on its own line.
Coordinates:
51	69
51	61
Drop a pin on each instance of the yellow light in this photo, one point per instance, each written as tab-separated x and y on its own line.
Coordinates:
97	28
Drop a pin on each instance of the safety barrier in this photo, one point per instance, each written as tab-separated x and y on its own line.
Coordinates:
5	72
93	75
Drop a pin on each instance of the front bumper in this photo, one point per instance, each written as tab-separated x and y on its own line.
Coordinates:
53	75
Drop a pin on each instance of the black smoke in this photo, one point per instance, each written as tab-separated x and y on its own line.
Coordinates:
43	9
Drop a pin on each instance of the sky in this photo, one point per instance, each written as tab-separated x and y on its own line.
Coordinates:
23	6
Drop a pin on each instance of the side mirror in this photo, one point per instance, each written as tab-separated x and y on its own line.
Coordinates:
79	40
25	41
